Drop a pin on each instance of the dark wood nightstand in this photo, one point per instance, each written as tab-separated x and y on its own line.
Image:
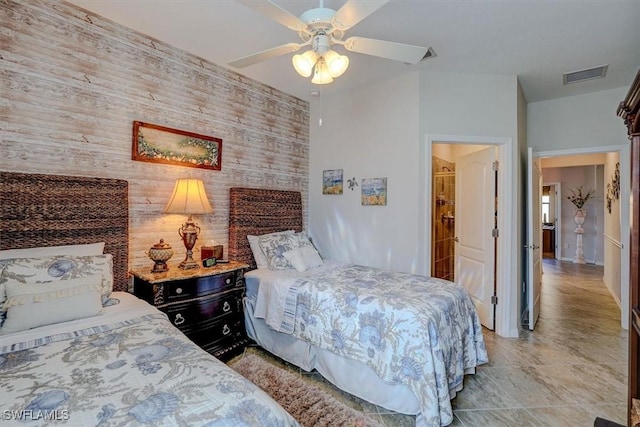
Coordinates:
204	303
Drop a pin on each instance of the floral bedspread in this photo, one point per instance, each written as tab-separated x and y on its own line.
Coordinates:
139	372
416	330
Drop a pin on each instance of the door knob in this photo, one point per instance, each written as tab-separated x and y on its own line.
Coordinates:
455	239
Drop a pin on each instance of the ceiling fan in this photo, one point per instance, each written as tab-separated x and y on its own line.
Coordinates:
320	28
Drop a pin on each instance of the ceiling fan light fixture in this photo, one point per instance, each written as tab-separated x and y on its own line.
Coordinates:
320	28
305	62
321	74
336	64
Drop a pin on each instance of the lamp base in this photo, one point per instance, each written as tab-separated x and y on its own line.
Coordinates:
189	233
188	264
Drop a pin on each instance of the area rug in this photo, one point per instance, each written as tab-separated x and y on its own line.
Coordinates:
310	405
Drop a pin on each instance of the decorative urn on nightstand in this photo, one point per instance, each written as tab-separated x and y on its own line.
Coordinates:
160	253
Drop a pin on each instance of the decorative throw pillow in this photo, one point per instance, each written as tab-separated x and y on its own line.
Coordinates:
274	248
56	268
258	254
303	258
31	305
47	251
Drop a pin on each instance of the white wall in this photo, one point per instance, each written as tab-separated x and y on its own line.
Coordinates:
443	151
612	239
369	133
580	121
468	104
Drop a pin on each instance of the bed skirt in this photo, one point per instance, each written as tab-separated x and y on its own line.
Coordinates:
346	374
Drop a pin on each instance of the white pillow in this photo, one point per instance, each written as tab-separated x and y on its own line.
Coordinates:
46	251
53	269
274	248
258	254
303	258
33	305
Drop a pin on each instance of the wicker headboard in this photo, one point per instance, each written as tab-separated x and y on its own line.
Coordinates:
255	211
50	210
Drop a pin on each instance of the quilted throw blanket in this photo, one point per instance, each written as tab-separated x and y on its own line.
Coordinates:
141	371
416	330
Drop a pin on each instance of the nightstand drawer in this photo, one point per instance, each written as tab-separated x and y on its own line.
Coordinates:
221	336
200	286
189	315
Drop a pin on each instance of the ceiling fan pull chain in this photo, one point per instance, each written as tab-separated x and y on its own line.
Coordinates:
320	96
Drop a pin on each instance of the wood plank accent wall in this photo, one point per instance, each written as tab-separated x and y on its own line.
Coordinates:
74	82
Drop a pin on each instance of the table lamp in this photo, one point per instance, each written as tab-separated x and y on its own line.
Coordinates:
189	198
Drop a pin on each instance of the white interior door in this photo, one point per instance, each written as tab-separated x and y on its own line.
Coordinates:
534	239
475	216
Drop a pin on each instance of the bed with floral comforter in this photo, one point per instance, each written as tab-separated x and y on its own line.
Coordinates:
128	366
419	331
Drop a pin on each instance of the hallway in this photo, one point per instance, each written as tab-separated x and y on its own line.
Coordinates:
568	371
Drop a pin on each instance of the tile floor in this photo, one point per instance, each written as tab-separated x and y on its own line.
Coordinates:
568	371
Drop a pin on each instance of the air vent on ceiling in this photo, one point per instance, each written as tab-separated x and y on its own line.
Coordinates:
430	54
586	74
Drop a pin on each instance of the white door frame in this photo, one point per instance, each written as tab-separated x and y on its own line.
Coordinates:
625	209
508	293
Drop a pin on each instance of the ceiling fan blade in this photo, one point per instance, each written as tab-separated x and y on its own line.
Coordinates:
385	49
265	54
276	13
354	11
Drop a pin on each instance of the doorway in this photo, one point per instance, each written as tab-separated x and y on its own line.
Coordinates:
549	208
608	220
508	296
464	220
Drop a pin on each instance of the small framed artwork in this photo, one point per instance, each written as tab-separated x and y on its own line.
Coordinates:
332	181
374	191
159	144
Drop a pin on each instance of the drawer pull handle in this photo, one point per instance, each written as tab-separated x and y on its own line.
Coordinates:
226	330
226	306
178	291
179	320
228	280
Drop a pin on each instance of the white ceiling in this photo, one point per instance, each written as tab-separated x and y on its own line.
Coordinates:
537	40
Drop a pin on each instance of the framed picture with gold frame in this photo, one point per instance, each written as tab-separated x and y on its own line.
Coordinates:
160	144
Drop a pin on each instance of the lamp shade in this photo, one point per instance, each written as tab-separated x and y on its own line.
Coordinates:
188	198
337	64
321	74
304	63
